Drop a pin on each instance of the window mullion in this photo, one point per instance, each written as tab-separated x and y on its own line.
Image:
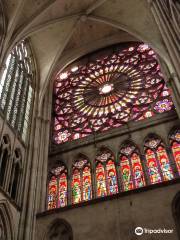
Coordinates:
22	105
13	96
26	109
9	80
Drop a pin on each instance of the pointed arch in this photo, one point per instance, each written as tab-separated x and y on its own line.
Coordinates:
57	187
60	229
6	220
16	88
4	158
15	175
174	139
157	160
106	176
130	164
81	179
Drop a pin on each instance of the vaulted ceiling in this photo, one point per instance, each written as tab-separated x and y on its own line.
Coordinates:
63	30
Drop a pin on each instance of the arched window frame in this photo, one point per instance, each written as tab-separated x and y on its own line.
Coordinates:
127	150
17	87
79	166
56	173
15	176
52	230
7	220
103	157
152	143
174	138
5	147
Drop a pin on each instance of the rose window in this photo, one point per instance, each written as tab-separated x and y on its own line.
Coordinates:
107	92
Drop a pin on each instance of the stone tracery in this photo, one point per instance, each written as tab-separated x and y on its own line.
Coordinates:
126	85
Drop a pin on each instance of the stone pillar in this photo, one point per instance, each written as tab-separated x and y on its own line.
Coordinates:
167	16
30	178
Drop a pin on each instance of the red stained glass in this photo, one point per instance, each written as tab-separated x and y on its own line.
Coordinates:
106	176
62	199
57	190
108	92
52	193
164	164
152	167
101	181
175	146
131	168
86	182
126	174
176	153
76	187
111	178
137	171
81	181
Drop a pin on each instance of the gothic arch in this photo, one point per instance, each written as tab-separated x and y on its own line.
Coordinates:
78	157
155	135
106	173
5	151
81	179
6	221
57	186
16	172
158	161
59	229
132	172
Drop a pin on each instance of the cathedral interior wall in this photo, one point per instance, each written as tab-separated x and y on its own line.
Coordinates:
117	218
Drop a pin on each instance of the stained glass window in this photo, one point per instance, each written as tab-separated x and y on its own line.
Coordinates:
131	170
76	187
175	146
106	177
57	187
62	198
16	90
101	181
52	193
86	179
157	161
81	180
108	91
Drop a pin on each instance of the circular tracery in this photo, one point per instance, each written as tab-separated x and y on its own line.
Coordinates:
108	92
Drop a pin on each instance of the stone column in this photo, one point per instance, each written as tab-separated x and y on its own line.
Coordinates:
30	178
166	14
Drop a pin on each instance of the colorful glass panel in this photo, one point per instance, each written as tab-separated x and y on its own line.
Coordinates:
137	171
164	163
163	105
86	183
100	181
111	178
125	169
52	193
152	167
76	187
176	153
108	91
104	155
62	198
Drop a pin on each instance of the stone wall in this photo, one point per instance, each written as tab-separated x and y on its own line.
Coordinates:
116	219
